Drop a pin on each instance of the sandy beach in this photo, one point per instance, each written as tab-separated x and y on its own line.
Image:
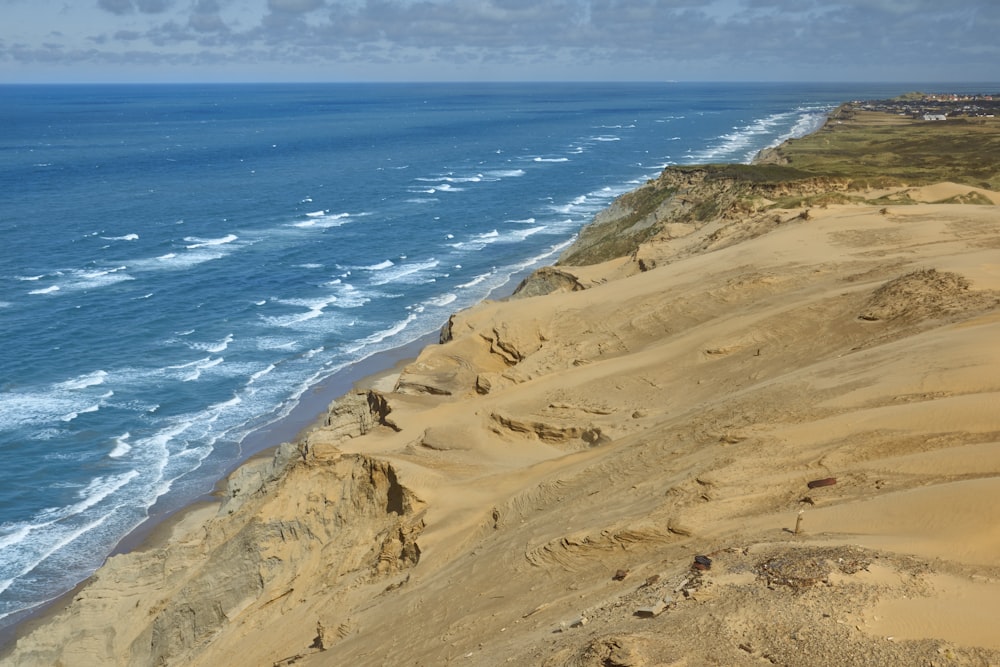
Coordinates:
761	434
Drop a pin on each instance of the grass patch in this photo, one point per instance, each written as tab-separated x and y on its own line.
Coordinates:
968	198
871	146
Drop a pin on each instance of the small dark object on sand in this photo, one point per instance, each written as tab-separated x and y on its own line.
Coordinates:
816	483
702	563
620	575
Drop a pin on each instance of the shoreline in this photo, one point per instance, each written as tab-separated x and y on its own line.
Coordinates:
166	517
678	406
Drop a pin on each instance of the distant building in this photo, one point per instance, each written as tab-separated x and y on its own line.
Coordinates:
935	116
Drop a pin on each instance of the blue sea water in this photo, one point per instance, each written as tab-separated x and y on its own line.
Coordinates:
180	264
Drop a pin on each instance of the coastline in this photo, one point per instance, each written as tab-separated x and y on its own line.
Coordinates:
376	371
722	412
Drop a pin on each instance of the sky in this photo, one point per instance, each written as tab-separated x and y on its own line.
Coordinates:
83	41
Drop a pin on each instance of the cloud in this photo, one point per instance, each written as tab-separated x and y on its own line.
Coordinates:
116	6
684	39
121	7
206	18
152	6
294	6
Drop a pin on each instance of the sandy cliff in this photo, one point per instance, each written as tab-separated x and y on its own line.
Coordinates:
761	429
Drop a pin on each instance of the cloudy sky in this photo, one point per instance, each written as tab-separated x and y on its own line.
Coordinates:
484	40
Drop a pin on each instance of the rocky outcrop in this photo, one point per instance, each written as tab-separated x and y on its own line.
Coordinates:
925	294
473	358
356	414
551	432
317	518
547	280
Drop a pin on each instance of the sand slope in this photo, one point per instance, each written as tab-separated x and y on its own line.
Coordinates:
536	490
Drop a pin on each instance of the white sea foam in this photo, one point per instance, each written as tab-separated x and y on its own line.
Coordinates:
478	280
214	348
410	272
442	300
261	373
41	405
525	221
380	336
13	537
127	237
196	242
47	290
741	141
522	234
73	415
201	366
122	446
218	408
350	297
101	488
97	278
538	259
506	173
605	138
477	241
189	364
342	295
84	381
322	220
551	159
810	119
381	266
31	278
449	178
275	343
39	543
314	308
196	253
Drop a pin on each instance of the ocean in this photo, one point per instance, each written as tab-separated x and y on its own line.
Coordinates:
182	264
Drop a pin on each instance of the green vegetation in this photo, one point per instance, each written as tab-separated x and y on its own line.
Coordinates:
968	198
747	173
878	149
856	151
618	234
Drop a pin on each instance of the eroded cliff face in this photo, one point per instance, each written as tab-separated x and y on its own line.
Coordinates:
306	523
740	199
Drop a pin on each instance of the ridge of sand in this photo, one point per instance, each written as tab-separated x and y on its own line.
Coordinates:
535	490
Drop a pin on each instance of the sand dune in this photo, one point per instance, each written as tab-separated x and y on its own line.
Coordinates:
535	490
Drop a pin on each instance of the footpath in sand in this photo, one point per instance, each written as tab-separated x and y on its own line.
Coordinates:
763	428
